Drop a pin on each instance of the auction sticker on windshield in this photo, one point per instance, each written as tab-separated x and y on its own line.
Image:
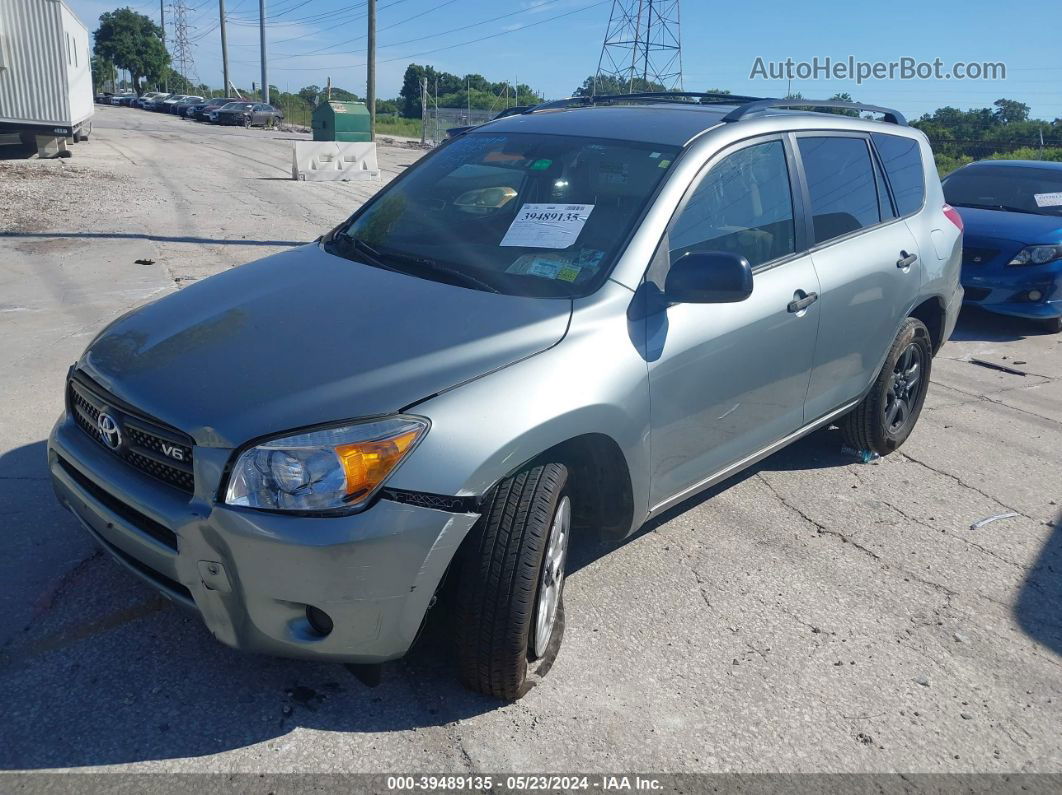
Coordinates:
1042	199
547	225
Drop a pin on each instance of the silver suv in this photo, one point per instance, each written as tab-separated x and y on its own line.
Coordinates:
564	321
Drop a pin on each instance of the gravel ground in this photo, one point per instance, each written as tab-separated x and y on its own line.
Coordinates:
813	613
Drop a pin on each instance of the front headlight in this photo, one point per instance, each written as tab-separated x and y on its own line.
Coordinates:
323	470
1037	255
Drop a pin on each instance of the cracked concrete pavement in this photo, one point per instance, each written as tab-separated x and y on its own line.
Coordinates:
811	614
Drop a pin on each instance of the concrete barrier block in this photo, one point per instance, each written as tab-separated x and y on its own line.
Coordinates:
320	161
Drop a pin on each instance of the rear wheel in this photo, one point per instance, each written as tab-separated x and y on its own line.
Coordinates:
887	415
510	609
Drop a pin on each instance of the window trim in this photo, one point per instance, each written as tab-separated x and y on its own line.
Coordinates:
809	216
888	179
800	232
879	173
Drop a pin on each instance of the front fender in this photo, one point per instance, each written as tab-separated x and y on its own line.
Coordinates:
595	381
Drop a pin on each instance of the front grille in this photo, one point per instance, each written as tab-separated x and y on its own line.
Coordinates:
155	449
978	256
975	293
144	524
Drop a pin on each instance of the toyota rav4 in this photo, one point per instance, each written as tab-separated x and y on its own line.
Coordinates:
564	321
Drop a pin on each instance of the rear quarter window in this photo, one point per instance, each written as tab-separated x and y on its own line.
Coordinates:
902	159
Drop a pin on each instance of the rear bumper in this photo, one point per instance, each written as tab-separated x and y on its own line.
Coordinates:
951	313
251	575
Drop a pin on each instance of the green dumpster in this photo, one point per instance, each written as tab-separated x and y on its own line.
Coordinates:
341	121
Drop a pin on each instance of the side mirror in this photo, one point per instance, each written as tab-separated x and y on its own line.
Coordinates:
709	277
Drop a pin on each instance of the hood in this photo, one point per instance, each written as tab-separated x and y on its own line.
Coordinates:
1019	227
305	337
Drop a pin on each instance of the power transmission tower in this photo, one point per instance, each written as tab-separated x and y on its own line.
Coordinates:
642	45
182	47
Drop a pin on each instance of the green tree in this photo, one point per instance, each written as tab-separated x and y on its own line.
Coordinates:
103	73
602	85
1010	110
132	41
843	96
309	93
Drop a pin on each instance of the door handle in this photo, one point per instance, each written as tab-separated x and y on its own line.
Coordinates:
800	304
906	260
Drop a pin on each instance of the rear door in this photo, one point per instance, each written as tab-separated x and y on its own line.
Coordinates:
727	380
866	259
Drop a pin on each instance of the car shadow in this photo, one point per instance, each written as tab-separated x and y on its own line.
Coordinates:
979	325
154	238
819	450
1039	606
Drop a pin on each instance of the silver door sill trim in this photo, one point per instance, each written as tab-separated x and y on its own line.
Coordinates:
723	474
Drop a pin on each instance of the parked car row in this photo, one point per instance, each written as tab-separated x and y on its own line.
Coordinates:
219	110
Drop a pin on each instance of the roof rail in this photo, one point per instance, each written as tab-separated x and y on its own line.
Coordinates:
754	106
645	96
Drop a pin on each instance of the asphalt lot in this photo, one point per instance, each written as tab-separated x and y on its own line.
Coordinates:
811	614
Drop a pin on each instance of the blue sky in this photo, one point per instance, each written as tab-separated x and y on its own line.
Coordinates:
530	40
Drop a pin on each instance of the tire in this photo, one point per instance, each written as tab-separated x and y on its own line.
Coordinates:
1052	325
887	415
505	637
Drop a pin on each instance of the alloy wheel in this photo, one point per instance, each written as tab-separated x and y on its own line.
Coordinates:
904	387
551	582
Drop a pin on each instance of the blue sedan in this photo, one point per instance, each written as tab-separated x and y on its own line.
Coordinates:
1012	239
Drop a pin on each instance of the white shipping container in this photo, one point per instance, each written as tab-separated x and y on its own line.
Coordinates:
45	70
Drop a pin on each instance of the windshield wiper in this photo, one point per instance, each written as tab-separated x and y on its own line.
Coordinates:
466	279
1004	207
344	245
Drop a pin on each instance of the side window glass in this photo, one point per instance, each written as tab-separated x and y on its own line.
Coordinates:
840	179
743	205
884	202
902	158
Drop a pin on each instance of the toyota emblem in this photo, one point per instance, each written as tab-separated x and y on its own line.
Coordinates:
109	432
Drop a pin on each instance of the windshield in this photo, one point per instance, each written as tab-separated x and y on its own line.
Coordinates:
1011	188
521	214
235	106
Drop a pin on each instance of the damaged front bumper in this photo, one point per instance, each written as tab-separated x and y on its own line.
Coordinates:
252	575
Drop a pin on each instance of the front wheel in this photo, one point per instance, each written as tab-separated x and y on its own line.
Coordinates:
887	415
1052	325
510	603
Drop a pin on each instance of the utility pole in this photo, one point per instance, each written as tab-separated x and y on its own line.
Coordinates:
423	108
370	72
262	38
224	49
162	24
468	96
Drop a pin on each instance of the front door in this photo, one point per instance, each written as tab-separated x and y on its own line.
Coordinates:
727	380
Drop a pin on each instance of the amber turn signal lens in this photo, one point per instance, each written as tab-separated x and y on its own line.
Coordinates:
366	464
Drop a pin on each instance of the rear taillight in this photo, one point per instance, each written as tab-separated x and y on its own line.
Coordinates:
953	215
